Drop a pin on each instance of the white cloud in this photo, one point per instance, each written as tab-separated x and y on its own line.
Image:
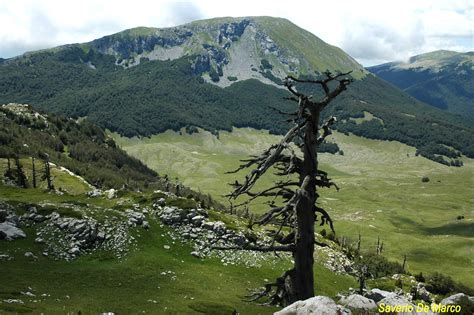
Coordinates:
370	31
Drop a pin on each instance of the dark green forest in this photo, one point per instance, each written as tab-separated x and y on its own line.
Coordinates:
159	95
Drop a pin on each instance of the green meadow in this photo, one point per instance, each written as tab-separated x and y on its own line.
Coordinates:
381	191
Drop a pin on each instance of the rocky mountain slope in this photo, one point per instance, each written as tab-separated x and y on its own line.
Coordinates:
232	47
443	79
219	74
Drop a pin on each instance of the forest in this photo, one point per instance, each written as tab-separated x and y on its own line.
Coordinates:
159	95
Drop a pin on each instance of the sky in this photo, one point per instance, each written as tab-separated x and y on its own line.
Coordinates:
371	31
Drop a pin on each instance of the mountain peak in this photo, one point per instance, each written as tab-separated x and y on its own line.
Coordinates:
262	47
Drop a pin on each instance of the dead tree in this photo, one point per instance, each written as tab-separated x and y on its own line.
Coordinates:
47	172
33	168
378	248
296	214
362	274
21	180
358	244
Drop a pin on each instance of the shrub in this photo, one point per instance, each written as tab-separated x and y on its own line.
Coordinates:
266	64
419	277
379	266
399	283
214	75
440	284
467	307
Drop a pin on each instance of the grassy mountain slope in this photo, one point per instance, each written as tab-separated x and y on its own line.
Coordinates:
150	278
81	147
381	191
443	79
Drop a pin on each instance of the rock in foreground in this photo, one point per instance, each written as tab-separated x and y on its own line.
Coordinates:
356	301
320	305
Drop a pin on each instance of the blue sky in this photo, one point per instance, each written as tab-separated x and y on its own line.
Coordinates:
370	31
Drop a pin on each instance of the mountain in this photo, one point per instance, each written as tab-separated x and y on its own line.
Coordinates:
218	74
443	79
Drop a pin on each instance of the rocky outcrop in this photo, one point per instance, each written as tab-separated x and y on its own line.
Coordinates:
321	305
125	46
335	260
195	225
231	31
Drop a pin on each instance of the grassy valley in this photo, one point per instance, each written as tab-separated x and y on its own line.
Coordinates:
382	193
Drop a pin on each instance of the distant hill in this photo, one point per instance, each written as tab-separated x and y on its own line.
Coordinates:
218	74
443	79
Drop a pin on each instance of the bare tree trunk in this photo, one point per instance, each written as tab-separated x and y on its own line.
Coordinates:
34	171
20	175
358	244
47	174
9	165
304	278
377	249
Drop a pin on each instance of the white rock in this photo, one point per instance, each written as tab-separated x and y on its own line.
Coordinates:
357	301
11	232
318	305
94	193
197	220
378	295
74	250
166	247
208	225
5	257
11	301
30	255
111	193
196	254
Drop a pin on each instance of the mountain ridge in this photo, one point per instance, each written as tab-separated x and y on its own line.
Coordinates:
116	85
443	79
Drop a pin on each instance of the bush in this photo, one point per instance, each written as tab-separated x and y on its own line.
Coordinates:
419	277
379	266
467	307
266	64
399	283
440	284
214	75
